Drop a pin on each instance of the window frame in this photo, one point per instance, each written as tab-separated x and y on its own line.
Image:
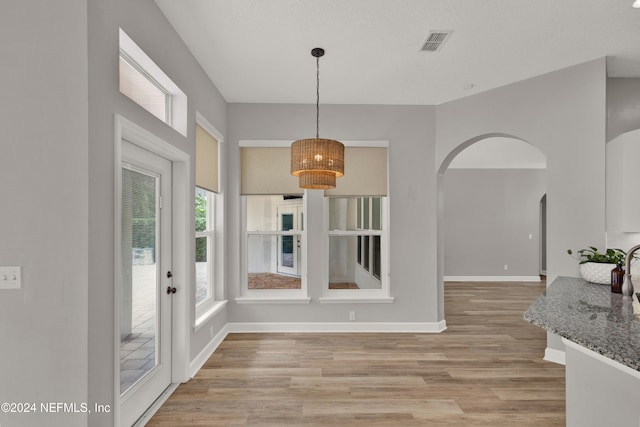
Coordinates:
147	76
272	295
382	294
208	308
208	233
177	104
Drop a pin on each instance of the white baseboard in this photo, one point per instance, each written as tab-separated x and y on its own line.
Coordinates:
346	327
491	278
206	352
555	356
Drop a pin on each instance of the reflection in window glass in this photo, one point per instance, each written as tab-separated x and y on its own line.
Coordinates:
376	257
263	266
274	232
355	242
365	253
375	213
344	271
365	213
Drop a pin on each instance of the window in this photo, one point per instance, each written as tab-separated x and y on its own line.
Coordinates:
143	89
275	236
209	225
274	245
204	243
356	234
142	81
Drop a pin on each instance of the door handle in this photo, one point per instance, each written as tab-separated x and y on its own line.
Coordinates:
171	290
169	274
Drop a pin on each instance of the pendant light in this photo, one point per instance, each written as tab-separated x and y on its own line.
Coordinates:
317	162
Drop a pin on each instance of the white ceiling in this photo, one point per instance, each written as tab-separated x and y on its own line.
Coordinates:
258	51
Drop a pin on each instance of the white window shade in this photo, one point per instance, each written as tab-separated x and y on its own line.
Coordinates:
267	170
365	173
206	160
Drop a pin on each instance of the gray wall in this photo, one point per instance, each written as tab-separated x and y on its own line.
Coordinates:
147	26
412	185
488	216
562	114
43	207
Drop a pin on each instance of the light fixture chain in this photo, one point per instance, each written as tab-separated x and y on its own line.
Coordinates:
317	97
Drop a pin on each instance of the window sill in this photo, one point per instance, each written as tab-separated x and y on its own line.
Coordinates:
208	314
273	300
356	299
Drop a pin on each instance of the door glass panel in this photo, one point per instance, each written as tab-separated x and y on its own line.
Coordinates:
139	297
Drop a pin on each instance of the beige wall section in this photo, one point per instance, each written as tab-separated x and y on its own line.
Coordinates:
43	214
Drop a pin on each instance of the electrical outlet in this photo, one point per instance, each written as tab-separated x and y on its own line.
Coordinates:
530	236
352	315
11	277
506	267
211	332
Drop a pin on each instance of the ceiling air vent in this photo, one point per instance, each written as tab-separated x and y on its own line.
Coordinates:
435	40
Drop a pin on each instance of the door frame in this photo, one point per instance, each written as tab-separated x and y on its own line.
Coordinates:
182	211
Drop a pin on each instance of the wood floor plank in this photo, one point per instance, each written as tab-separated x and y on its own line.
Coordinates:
486	369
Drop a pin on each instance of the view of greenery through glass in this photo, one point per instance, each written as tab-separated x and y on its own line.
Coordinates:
201	224
143	213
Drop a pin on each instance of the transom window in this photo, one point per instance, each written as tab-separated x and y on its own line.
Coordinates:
143	89
142	81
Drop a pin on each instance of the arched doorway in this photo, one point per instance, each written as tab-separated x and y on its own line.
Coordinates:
489	224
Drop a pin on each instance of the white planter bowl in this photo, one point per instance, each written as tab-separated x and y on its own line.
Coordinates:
596	272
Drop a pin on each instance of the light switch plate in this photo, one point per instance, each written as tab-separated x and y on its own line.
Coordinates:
11	277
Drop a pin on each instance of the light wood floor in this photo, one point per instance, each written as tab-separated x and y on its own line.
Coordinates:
486	369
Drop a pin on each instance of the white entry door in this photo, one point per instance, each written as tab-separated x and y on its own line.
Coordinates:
145	288
289	219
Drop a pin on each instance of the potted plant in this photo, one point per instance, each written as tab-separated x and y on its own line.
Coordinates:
595	267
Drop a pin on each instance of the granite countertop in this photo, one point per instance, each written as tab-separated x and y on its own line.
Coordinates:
589	315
